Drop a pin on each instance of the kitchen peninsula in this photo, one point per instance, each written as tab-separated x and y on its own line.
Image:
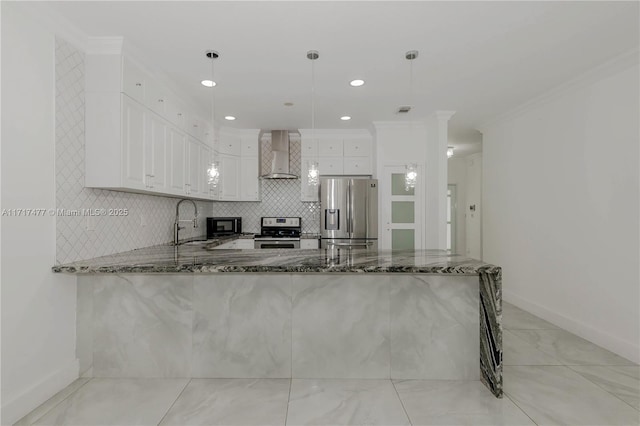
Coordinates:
185	311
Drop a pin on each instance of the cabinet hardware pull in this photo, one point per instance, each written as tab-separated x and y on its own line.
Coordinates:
138	84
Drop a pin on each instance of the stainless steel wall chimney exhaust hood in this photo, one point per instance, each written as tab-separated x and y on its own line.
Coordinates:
280	157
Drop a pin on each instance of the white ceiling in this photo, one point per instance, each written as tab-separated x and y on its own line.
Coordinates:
477	58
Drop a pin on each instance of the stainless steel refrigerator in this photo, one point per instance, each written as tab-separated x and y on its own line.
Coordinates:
349	213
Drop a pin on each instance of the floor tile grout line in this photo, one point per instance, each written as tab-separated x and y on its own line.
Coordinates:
519	407
286	416
601	387
401	402
61	401
174	401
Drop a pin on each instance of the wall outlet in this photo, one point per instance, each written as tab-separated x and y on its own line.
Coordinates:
91	223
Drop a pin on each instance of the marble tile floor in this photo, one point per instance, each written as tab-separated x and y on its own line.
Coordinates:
551	377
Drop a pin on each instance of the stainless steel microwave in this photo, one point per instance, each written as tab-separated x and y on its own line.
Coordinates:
217	226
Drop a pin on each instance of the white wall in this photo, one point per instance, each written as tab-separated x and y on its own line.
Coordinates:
473	218
38	307
457	175
561	194
423	143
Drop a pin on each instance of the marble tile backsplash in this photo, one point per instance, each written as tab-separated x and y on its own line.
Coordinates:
149	219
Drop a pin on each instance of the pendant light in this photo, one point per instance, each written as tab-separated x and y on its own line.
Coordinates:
411	169
313	174
213	171
449	151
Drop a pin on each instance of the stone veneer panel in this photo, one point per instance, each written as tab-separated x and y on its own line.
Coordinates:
292	325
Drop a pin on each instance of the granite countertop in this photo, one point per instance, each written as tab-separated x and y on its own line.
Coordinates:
195	258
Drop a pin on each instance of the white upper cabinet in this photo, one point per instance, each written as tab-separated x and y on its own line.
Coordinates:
309	147
330	148
229	177
133	78
357	147
239	165
156	154
249	147
249	181
336	154
177	160
133	135
140	137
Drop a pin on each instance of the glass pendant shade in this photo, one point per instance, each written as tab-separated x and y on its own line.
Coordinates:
410	176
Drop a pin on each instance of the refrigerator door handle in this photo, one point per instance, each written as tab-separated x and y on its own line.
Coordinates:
367	243
349	210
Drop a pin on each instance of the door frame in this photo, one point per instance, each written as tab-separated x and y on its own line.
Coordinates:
384	204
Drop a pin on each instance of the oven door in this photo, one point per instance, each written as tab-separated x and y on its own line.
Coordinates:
272	243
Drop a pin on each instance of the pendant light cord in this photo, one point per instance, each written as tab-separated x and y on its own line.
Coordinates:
313	98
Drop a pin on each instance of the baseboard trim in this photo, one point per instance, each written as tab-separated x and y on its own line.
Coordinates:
23	404
616	345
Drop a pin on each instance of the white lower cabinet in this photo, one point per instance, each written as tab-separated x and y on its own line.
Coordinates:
309	243
244	244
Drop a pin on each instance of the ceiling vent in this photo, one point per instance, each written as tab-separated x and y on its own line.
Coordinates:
403	109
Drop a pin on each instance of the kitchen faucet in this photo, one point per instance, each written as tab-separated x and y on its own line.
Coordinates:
176	224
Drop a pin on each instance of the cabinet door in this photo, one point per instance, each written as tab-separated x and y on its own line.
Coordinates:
330	148
249	147
133	131
156	154
309	147
133	80
244	244
155	97
309	243
249	182
229	145
195	179
229	182
330	165
357	165
357	147
177	159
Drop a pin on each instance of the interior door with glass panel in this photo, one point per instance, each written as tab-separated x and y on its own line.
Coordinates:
401	210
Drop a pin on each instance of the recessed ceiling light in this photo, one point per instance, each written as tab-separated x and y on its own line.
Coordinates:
356	83
345	118
208	83
229	117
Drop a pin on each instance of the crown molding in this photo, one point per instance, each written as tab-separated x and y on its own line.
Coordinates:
602	71
335	133
443	115
397	124
232	131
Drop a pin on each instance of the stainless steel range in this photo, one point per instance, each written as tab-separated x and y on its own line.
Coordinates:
278	233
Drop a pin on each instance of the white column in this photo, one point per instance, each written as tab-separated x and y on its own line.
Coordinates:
435	229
